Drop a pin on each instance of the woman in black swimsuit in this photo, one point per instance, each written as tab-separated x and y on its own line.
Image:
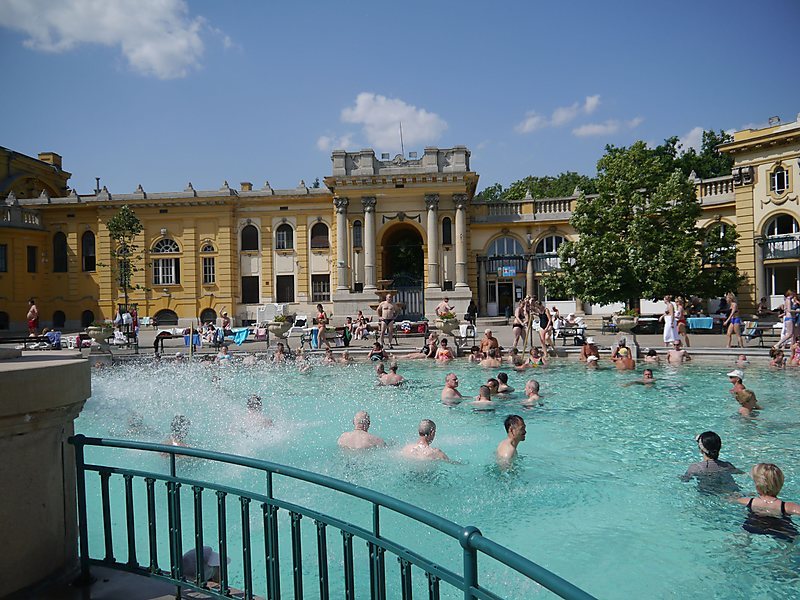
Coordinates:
767	514
520	318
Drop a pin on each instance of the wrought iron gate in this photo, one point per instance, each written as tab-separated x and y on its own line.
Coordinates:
410	295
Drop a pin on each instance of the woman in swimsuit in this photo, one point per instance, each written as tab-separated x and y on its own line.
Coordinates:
545	326
322	322
670	331
734	321
520	320
680	319
713	475
794	354
767	514
788	318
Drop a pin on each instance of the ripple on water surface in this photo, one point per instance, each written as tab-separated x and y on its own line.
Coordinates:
595	495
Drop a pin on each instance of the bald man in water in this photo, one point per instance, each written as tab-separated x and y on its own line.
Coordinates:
423	450
360	438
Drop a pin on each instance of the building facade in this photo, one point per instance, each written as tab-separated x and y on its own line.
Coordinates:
411	225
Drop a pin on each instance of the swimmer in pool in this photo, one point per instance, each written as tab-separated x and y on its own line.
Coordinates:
503	388
255	412
391	378
443	353
493	385
507	449
360	438
491	360
377	353
532	397
647	379
422	449
712	474
450	394
484	401
329	358
345	358
279	356
767	514
179	429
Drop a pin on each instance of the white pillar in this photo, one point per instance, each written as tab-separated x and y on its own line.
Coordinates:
342	266
432	204
369	242
460	201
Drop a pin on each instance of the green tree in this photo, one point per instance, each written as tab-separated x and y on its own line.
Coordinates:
560	186
638	237
492	193
126	256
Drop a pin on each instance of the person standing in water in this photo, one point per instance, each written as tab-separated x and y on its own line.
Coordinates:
423	450
360	438
507	449
712	474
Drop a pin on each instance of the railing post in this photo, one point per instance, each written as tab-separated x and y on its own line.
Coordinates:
470	561
271	544
198	535
222	527
80	479
246	551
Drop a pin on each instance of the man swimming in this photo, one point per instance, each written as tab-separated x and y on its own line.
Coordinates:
422	449
491	360
391	378
450	394
484	401
647	379
507	449
360	438
255	414
532	397
503	388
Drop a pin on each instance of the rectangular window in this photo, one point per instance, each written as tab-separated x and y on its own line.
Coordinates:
283	239
209	270
32	252
166	271
3	258
321	288
250	292
284	288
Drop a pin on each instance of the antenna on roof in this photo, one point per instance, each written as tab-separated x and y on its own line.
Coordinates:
402	148
97	186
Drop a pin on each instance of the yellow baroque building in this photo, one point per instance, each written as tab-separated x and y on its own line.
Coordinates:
408	224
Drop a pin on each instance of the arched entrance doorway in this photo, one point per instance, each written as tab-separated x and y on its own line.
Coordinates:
403	263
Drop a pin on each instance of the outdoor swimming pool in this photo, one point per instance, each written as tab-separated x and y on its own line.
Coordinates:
595	496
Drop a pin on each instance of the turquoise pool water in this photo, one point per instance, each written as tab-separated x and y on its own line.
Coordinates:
595	496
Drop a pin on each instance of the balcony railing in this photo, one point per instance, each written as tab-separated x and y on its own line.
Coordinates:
784	246
716	190
15	216
385	510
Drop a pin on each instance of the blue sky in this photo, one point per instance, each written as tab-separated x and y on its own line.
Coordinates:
162	92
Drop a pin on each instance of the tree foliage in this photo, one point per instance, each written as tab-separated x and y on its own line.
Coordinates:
126	255
560	186
639	237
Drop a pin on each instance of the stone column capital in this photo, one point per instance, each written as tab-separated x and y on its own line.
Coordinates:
341	204
460	200
432	201
369	203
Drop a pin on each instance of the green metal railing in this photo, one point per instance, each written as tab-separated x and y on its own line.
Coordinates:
472	543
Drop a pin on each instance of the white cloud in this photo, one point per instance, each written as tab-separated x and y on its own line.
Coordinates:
692	139
561	115
331	142
608	127
157	37
380	118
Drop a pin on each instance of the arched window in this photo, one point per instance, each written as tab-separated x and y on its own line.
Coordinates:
88	252
249	238
166	317
59	319
209	315
782	225
447	232
782	235
209	266
87	318
284	237
319	236
505	246
358	234
59	253
549	244
779	180
166	271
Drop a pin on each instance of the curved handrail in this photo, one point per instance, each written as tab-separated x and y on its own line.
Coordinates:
469	537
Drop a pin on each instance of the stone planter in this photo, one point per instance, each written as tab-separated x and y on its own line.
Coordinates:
99	334
279	329
626	323
447	326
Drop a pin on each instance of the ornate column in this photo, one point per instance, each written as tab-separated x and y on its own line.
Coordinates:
482	287
460	201
369	242
432	204
529	283
342	264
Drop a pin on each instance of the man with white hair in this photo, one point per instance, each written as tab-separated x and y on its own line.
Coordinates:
532	397
488	342
360	438
423	450
450	394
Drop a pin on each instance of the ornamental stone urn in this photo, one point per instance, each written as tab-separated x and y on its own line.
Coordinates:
626	323
99	334
279	328
447	326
